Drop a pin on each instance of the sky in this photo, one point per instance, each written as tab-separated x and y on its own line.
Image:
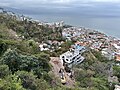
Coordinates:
81	7
102	8
57	3
107	8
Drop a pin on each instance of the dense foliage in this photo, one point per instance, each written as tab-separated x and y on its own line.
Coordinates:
93	72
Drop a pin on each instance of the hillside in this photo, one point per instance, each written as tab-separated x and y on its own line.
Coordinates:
23	66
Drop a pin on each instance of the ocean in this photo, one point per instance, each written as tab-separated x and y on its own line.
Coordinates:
107	25
103	19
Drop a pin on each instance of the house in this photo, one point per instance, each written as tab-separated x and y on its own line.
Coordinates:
117	87
117	57
117	46
43	47
73	56
108	53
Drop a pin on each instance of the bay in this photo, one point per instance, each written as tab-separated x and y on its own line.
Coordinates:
107	25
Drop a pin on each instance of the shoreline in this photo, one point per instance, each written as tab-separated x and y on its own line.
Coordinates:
109	26
98	30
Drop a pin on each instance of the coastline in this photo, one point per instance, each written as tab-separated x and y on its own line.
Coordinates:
109	26
98	30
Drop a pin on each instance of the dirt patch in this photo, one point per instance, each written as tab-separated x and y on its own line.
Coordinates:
56	63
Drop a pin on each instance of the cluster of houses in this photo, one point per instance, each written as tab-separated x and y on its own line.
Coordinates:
50	45
109	46
54	24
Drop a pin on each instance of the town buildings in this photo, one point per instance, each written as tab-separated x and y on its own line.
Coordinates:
117	87
107	45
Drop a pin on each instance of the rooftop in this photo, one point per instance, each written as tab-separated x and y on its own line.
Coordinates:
117	57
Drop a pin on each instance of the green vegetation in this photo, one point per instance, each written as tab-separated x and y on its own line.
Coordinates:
117	72
24	67
93	72
64	47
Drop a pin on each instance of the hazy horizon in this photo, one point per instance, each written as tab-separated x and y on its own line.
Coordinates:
103	15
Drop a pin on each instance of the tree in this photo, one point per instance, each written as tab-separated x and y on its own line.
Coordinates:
11	82
92	73
4	71
12	59
30	82
43	55
17	61
3	47
116	70
28	79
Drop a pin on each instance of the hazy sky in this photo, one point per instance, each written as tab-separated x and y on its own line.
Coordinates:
57	3
88	7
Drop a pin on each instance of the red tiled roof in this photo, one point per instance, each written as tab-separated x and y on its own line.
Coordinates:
117	57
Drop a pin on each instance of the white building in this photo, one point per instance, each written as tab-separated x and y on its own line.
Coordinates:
108	53
73	56
117	87
43	47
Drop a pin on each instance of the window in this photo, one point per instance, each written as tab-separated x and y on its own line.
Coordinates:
78	57
78	61
72	61
67	60
73	58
